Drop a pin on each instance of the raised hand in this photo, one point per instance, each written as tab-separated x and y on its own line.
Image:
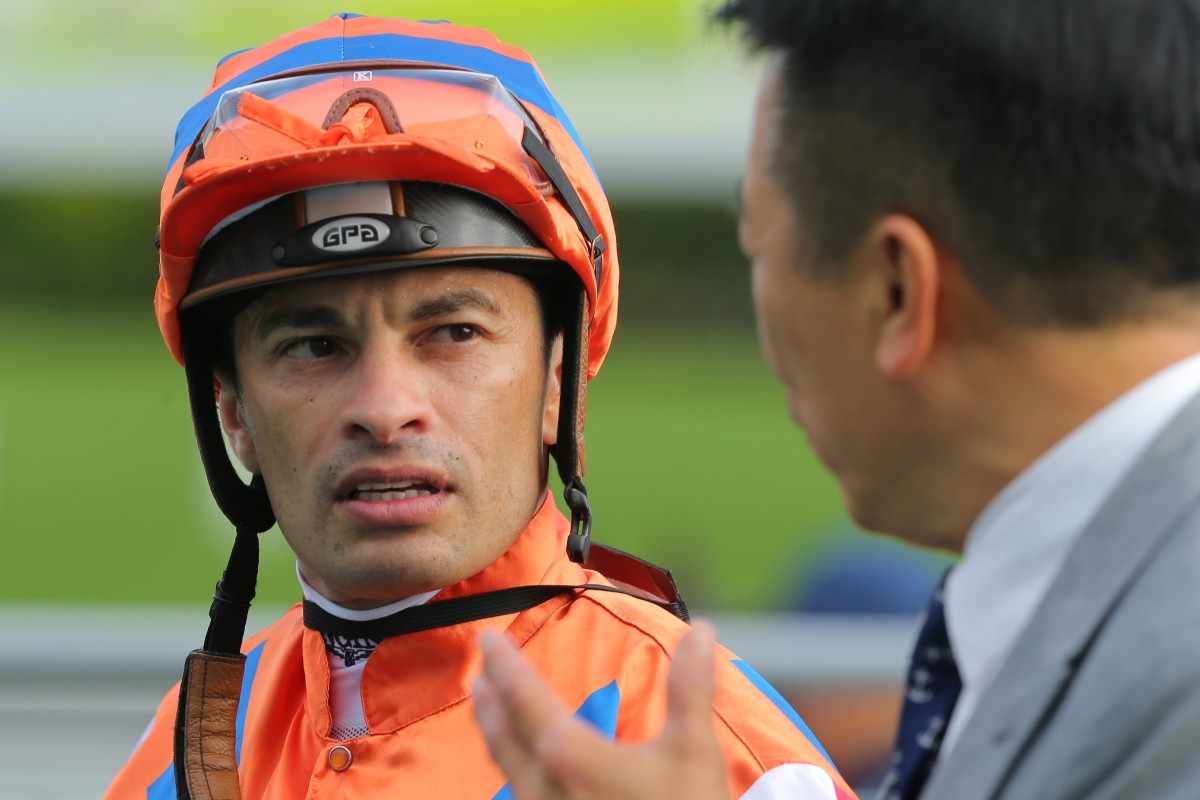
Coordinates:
548	754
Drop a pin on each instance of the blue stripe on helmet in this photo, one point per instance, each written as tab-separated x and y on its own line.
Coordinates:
519	77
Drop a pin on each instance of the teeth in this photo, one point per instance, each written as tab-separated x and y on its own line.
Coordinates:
382	492
400	486
404	495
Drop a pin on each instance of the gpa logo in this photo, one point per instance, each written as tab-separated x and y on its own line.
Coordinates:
349	234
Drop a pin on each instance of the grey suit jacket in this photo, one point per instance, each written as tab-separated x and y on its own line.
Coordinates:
1100	697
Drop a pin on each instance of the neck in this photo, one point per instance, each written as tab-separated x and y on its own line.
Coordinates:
366	610
1003	403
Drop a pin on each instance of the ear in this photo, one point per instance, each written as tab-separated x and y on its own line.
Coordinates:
233	421
553	394
910	266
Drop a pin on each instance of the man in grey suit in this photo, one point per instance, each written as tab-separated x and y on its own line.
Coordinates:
974	235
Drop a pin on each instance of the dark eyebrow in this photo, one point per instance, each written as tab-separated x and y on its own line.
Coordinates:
303	317
453	301
299	317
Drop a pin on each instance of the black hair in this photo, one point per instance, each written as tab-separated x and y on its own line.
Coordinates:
1052	145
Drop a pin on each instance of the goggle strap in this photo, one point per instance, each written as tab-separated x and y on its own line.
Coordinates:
537	150
195	153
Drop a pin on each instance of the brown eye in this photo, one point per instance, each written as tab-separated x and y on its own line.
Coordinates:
456	333
310	347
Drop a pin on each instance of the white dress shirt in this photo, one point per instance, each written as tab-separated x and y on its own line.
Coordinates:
1020	541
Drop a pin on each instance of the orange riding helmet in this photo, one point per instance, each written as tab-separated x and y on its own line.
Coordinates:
361	144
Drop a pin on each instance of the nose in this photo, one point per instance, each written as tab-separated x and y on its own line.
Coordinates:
388	397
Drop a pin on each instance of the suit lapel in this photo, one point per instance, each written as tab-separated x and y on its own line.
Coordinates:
1145	508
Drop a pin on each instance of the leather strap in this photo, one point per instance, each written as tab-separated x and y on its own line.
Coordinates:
206	727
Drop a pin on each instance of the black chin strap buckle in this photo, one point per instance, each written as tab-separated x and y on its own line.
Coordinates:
579	541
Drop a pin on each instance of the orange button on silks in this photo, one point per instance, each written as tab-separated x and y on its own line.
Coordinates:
340	758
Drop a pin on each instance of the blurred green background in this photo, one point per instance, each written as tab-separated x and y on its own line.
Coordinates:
693	462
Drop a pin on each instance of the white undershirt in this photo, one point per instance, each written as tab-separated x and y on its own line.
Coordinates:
1021	539
345	683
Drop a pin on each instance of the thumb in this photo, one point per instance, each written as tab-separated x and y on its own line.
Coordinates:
690	689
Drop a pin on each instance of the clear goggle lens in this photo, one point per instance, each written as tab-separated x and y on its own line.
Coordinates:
471	110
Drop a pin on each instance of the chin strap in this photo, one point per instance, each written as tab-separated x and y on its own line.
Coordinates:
628	574
205	747
232	597
569	453
206	718
246	506
579	540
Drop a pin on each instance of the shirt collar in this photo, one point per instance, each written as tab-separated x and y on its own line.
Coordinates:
358	615
444	661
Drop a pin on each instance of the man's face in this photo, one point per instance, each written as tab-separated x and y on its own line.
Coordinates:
399	421
814	329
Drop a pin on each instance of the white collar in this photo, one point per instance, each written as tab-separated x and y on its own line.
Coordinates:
345	682
1021	539
359	615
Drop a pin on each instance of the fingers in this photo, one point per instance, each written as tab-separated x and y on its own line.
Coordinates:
508	750
690	689
548	755
688	734
544	750
527	704
528	722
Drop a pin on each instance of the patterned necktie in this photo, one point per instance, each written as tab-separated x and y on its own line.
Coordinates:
933	687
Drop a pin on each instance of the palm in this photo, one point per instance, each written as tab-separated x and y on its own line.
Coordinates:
549	755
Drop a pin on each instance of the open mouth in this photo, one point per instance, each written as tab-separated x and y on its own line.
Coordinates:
398	490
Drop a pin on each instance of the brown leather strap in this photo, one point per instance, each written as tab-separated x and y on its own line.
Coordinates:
206	727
